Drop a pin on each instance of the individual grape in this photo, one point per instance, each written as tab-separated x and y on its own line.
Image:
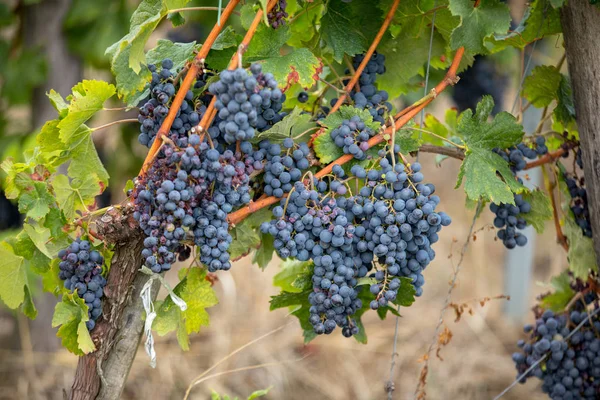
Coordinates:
81	270
302	97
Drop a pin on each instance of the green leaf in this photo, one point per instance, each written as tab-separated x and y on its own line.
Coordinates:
581	255
71	314
55	221
340	32
35	203
562	295
481	166
28	308
85	161
541	209
246	234
44	242
298	66
409	55
264	253
179	53
259	393
291	272
130	85
267	43
58	103
306	23
13	277
326	149
565	109
288	299
227	38
50	280
198	294
478	23
75	195
407	141
292	125
539	21
541	87
87	99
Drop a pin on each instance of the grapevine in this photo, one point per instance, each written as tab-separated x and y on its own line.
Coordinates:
291	134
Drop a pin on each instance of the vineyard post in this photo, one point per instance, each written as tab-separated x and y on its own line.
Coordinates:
581	28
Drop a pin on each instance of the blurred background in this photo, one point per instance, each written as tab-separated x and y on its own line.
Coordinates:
55	43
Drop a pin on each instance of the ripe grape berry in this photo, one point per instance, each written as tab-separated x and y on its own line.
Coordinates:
81	270
571	367
302	97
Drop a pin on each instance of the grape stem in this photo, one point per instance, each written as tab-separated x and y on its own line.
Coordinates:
186	84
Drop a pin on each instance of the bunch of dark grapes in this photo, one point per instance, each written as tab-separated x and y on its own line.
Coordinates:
509	218
278	15
396	224
310	225
283	167
571	359
352	136
186	195
81	269
579	201
245	103
376	101
153	112
385	230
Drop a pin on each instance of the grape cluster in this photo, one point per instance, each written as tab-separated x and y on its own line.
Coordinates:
376	101
309	225
388	225
187	194
571	367
352	136
579	201
282	170
153	112
81	269
396	224
245	103
278	14
509	219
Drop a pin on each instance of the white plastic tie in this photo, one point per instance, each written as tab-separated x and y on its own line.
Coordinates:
146	295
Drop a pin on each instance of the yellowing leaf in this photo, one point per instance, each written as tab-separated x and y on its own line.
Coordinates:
13	277
71	314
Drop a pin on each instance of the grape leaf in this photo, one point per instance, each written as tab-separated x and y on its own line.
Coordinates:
478	23
35	203
75	195
28	307
291	271
85	161
247	14
44	242
326	149
179	53
87	98
481	166
264	253
198	294
306	22
50	280
541	87
71	314
581	255
17	178
340	31
562	295
13	277
408	54
541	209
245	238
267	43
292	125
298	66
59	104
414	18
227	38
540	20
405	138
565	109
130	85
